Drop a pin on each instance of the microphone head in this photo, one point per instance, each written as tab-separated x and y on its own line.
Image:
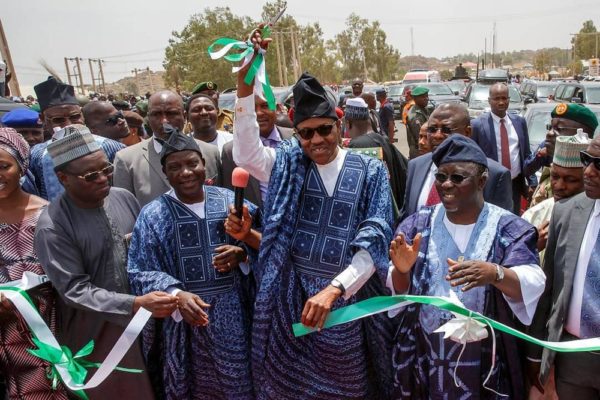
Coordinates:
239	177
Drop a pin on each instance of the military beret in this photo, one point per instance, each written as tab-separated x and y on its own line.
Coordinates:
419	91
202	86
576	112
22	118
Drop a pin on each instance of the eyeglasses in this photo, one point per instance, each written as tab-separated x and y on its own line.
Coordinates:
587	159
308	133
446	130
456	179
114	119
560	129
73	118
92	176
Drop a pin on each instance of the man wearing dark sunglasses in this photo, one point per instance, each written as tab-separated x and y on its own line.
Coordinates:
328	215
477	252
105	120
445	121
569	307
80	240
566	119
60	109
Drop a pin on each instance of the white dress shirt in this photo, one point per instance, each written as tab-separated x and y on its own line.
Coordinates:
573	324
531	277
250	154
222	138
427	185
513	144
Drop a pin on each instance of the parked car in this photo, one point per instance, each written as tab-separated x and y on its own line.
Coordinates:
421	76
578	92
476	99
537	117
440	93
7	105
538	92
394	94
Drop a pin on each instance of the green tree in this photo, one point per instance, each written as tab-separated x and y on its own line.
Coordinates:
541	61
186	58
585	42
362	49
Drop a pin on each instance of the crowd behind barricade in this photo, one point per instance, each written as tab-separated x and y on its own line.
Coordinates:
131	203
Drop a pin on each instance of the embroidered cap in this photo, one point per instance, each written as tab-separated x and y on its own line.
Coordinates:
459	148
176	142
566	151
77	141
312	100
356	109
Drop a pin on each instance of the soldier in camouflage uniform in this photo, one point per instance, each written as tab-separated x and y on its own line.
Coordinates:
417	116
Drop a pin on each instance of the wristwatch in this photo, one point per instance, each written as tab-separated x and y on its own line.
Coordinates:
499	273
338	285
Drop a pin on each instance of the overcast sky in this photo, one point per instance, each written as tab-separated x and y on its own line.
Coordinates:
134	33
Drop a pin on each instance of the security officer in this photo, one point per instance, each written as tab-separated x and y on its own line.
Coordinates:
417	116
225	116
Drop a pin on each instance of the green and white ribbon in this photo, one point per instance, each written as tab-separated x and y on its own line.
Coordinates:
376	305
257	70
66	367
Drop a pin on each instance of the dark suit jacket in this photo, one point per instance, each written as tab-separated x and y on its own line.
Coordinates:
252	192
138	169
565	235
482	132
498	188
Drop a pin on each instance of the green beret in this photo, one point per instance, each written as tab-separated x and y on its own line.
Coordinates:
202	86
576	112
419	91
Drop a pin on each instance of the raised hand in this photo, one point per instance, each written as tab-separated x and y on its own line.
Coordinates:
404	255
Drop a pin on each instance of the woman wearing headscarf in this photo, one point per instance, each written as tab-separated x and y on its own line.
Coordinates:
25	374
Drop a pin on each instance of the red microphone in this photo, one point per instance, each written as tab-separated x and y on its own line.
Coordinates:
239	181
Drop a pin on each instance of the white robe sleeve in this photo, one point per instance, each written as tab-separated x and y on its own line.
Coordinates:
357	273
532	281
248	150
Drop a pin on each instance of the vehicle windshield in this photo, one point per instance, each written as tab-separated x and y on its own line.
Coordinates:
545	91
437	90
456	85
480	94
536	126
395	90
593	95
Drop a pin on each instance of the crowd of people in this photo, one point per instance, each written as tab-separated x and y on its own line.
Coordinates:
125	209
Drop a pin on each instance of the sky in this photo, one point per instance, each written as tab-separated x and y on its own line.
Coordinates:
130	34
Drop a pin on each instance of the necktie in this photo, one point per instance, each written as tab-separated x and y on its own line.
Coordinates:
504	150
590	304
433	197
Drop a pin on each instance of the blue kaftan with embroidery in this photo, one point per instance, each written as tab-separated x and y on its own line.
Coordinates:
424	361
172	247
309	238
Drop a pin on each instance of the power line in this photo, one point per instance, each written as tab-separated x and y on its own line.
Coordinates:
135	54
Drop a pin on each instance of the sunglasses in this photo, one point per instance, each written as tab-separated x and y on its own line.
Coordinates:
587	159
92	176
73	118
114	119
456	179
308	133
446	130
559	129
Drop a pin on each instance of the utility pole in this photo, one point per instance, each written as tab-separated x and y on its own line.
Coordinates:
285	72
75	74
412	42
92	73
15	90
100	62
97	79
137	82
80	75
278	48
294	58
297	47
494	46
150	77
68	68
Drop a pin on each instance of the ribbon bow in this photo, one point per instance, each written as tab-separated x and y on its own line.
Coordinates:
257	70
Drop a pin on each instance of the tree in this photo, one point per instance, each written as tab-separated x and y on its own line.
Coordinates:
186	58
541	61
585	43
363	51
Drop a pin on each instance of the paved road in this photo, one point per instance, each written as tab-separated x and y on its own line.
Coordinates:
401	144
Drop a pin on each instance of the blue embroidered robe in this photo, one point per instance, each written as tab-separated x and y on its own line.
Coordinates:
424	361
308	238
172	247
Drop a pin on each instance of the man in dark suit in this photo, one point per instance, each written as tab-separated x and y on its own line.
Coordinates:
503	137
569	307
138	168
271	136
450	119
